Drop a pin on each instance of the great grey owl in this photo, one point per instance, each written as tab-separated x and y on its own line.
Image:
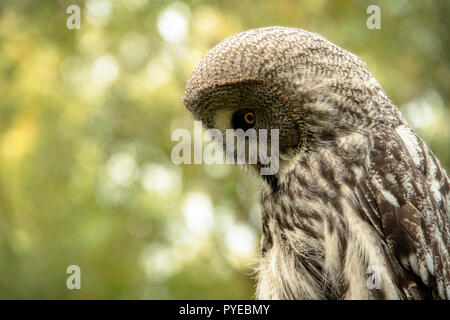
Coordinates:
358	194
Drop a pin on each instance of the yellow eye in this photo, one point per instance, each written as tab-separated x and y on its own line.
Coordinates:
249	118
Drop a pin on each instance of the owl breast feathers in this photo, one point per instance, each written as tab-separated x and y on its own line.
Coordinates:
359	208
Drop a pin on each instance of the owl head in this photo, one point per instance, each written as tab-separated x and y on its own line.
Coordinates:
288	79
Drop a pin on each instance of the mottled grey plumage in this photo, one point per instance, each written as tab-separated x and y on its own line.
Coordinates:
357	190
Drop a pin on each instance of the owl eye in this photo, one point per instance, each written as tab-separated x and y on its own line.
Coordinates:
249	117
243	119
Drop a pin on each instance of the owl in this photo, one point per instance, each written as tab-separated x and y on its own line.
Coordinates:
359	206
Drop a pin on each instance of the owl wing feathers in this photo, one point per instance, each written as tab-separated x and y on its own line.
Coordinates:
405	198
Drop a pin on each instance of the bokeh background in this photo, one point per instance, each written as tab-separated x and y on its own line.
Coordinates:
85	123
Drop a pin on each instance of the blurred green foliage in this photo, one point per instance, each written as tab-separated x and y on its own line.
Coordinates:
85	138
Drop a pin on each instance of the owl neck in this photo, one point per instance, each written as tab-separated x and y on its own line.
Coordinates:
272	182
308	191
